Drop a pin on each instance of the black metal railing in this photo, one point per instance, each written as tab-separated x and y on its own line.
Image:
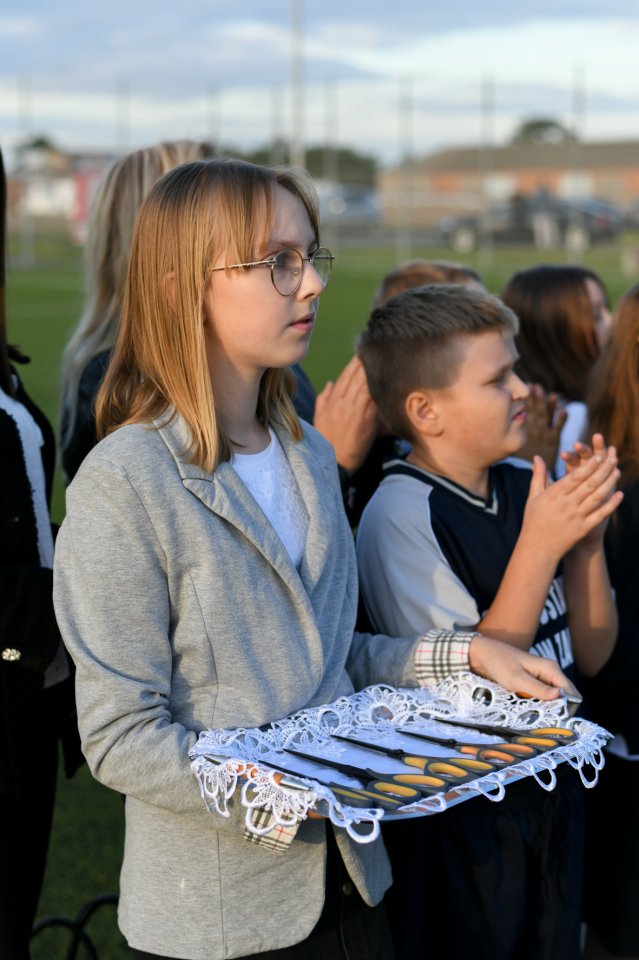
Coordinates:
76	927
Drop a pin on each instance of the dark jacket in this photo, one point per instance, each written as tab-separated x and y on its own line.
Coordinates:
27	619
83	437
612	694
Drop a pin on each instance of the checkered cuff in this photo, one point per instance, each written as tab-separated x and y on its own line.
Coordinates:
442	653
279	838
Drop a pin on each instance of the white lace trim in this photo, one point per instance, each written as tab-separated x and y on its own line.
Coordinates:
221	759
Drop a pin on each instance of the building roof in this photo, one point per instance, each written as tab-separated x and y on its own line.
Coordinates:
623	153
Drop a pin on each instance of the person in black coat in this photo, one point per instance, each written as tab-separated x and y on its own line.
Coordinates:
612	862
36	693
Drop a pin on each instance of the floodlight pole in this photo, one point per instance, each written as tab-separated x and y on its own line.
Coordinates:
577	153
298	153
330	161
214	117
486	162
403	235
122	115
27	228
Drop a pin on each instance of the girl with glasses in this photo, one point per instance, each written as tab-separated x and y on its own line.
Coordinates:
205	574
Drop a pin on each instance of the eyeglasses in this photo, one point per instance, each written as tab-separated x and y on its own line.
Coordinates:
287	268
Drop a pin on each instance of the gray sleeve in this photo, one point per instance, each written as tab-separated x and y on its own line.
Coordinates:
374	658
406	583
112	604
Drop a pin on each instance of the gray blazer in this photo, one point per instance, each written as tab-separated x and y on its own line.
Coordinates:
182	611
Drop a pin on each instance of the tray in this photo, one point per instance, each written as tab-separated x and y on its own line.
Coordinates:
255	765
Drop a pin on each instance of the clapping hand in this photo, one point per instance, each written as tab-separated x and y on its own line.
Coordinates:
545	418
574	510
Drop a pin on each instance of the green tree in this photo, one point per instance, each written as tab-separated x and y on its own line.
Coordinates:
542	130
345	165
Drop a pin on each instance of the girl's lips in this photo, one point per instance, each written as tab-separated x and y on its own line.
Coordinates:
520	416
304	322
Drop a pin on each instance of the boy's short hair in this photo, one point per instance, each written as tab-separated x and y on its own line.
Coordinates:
416	273
409	342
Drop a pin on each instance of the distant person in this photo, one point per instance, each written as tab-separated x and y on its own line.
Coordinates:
36	689
457	535
519	212
106	258
544	219
564	320
612	850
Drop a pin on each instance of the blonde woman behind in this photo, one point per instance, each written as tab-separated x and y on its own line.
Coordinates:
106	258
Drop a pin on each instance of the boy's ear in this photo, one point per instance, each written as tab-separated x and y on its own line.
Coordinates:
423	413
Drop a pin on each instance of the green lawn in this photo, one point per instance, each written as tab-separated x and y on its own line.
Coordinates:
44	301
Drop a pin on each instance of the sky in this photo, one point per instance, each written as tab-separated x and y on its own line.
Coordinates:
383	78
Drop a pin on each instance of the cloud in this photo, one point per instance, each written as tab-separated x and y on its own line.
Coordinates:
13	27
138	71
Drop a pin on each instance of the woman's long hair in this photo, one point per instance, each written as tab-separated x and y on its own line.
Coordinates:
106	257
613	399
199	214
557	339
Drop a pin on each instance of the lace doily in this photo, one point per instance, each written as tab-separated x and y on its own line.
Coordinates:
243	760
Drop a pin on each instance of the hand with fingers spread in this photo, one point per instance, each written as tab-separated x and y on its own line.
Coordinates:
581	453
545	417
592	615
562	521
576	508
347	416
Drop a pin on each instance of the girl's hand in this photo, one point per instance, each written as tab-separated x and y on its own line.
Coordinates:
523	673
574	510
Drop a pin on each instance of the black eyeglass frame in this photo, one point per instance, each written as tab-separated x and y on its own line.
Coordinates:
322	253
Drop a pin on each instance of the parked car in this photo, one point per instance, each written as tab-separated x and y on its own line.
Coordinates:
347	205
577	223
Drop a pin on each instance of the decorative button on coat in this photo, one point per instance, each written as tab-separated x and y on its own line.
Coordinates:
11	654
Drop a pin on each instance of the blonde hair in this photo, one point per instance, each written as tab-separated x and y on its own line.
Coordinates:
106	257
198	214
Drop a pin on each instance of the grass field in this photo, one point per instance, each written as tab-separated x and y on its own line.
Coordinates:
44	301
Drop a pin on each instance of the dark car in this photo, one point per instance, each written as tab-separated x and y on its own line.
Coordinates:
575	224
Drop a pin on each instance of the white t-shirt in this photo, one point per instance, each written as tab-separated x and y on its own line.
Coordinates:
271	482
572	430
31	441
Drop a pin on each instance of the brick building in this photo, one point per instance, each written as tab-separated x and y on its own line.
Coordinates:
469	178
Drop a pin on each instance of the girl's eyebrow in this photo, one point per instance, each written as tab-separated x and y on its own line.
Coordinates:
288	244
